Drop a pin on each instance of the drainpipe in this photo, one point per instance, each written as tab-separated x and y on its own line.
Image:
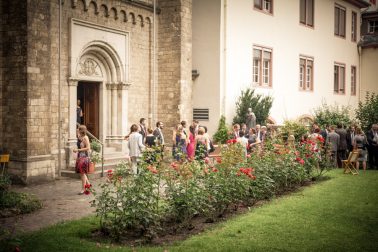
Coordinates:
359	49
59	93
154	84
224	67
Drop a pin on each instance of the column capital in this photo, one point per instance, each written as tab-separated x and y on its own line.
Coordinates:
123	85
111	86
72	81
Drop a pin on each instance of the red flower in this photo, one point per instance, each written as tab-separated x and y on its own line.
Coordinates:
238	174
215	170
219	160
17	249
301	161
207	160
173	165
152	169
86	192
87	186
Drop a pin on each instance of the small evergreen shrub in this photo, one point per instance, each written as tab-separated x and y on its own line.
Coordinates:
221	136
259	104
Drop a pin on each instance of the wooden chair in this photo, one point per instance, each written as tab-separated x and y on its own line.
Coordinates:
350	163
4	159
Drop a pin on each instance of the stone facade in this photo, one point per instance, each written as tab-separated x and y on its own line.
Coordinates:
35	107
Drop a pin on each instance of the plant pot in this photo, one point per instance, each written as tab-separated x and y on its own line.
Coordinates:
91	168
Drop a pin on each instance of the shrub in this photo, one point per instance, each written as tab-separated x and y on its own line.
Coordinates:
128	204
221	136
332	115
260	106
293	128
367	112
13	203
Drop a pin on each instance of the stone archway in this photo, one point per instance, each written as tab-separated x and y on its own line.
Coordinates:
100	64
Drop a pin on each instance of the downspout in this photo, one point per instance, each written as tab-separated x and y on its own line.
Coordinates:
59	93
359	49
154	109
224	77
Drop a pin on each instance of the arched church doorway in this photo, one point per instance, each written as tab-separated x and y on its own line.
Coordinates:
88	94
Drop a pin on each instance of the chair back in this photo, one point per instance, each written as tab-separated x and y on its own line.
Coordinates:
353	156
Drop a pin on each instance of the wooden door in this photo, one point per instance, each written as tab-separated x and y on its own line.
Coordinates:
91	107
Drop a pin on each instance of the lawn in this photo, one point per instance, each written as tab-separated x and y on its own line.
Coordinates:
338	214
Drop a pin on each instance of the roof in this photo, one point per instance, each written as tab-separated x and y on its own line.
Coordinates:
358	3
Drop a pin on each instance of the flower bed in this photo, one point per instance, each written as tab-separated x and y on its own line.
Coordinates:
176	193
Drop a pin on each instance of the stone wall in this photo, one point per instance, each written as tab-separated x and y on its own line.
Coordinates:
174	63
29	72
13	79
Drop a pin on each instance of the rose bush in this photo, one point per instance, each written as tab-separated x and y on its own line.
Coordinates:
176	192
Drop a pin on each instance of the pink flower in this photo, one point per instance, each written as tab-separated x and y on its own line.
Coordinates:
207	160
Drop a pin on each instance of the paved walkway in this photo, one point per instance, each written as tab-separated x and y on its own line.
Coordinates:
60	201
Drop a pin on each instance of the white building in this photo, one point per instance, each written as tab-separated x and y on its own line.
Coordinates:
301	52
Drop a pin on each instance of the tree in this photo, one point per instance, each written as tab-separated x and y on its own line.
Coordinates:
221	136
367	112
259	104
332	115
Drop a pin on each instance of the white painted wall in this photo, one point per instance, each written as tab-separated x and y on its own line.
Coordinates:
207	59
369	74
282	32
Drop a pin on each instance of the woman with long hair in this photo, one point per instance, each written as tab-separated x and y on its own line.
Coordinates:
82	161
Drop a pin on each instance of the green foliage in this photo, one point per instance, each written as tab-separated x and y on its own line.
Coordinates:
128	205
13	203
260	106
137	206
293	128
332	115
5	183
221	136
95	146
367	112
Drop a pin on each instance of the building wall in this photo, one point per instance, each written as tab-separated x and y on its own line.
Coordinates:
369	73
241	26
207	59
174	64
13	79
30	75
288	39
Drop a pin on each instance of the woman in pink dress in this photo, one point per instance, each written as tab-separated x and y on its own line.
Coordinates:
190	148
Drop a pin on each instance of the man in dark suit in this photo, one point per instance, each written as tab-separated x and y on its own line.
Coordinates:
143	130
159	133
341	151
333	140
350	137
372	139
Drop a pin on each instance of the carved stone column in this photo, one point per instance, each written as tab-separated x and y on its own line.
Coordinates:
114	109
72	86
109	110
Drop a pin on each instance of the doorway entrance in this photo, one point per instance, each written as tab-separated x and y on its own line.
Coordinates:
88	94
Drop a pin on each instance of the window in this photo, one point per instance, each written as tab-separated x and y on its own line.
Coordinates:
373	26
264	5
339	21
353	78
306	65
354	26
339	79
306	8
262	66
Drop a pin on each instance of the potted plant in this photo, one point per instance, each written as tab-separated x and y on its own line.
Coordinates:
95	156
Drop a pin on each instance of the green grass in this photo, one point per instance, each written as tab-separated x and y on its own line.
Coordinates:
339	214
